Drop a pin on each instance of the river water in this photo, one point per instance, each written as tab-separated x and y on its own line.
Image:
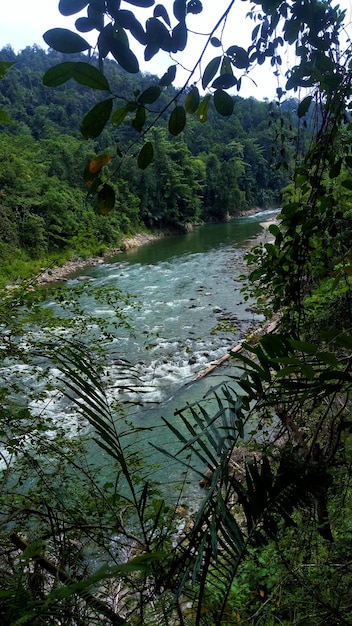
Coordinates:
191	309
188	310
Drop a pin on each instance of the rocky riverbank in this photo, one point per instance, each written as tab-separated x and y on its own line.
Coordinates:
58	273
61	272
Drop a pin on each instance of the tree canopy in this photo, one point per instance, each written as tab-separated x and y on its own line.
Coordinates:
313	29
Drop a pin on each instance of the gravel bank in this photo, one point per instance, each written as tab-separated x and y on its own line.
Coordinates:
51	275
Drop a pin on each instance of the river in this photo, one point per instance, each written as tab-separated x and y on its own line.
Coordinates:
191	307
188	310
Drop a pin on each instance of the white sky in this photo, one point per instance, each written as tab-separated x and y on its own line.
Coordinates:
23	24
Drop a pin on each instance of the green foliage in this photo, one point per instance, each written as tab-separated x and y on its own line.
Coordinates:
181	195
273	526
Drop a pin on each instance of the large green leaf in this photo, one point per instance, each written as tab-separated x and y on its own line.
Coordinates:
192	100
87	74
160	11
168	77
123	55
65	41
95	120
157	35
83	73
210	71
223	102
239	56
85	24
177	120
203	109
150	52
58	75
119	115
149	95
179	37
145	156
127	19
106	199
139	119
303	106
179	10
224	81
70	7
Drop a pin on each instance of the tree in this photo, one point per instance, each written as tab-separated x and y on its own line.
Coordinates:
314	29
286	489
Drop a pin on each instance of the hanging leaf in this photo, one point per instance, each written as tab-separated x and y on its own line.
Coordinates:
203	109
93	184
347	183
150	52
179	37
223	102
70	7
123	55
224	81
58	75
88	75
303	106
239	57
194	6
145	156
179	10
127	19
303	346
168	77
157	35
94	122
96	165
160	11
106	199
149	95
335	169
210	71
215	42
192	100
177	120
138	33
85	24
139	119
65	41
119	115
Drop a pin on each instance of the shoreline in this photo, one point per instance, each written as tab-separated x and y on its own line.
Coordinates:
61	272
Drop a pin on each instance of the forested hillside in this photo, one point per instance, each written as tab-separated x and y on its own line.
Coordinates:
209	172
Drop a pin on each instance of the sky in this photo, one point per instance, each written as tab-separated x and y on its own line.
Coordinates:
25	24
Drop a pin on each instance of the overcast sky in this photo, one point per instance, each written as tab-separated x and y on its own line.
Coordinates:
24	22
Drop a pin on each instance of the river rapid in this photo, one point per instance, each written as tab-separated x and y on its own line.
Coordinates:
188	309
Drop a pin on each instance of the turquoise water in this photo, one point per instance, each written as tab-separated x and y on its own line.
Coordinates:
184	286
190	311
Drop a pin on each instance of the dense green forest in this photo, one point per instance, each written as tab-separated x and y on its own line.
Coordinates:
210	172
270	540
